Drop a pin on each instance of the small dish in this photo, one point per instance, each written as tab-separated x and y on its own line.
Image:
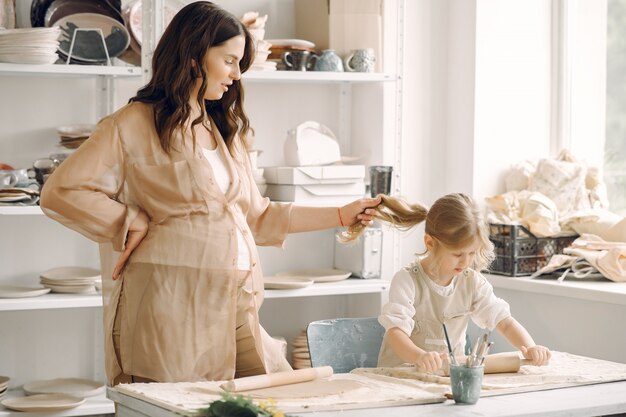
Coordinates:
43	402
16	291
317	275
285	282
65	273
70	386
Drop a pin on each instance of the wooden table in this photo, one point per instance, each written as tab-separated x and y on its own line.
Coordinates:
589	400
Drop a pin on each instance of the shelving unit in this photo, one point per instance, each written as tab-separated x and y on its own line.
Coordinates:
69	70
343	90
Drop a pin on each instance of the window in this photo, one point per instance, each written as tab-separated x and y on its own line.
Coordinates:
615	145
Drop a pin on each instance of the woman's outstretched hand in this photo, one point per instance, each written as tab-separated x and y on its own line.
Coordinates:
362	210
136	232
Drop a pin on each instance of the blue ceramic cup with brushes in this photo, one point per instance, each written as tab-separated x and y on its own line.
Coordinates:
466	383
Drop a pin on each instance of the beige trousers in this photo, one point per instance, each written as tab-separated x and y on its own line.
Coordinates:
248	361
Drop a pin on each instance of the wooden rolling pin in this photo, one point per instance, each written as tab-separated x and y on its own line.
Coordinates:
276	379
504	362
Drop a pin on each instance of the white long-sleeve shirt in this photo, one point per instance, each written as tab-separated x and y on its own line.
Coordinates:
487	309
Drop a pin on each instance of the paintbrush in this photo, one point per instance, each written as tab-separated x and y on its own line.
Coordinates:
452	358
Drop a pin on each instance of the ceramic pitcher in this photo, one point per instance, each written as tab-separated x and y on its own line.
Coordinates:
329	61
360	60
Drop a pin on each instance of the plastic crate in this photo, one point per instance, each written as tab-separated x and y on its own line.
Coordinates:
519	252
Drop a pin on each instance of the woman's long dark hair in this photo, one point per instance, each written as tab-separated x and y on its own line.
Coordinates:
195	28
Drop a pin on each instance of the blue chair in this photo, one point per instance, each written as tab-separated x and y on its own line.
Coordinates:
345	344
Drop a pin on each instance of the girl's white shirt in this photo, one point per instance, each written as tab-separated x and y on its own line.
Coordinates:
488	310
222	178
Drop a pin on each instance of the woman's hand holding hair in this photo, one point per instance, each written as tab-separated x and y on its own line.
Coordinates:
540	355
362	210
136	233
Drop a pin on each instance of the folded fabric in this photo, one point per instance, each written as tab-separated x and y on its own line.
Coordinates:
607	257
592	221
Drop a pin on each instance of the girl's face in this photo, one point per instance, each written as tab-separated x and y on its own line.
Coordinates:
452	261
221	64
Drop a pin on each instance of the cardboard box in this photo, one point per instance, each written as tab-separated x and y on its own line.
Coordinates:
342	25
317	194
327	174
312	21
356	24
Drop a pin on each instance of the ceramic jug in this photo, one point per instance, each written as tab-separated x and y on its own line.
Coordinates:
360	60
328	60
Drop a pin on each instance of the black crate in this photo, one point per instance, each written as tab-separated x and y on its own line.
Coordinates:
519	252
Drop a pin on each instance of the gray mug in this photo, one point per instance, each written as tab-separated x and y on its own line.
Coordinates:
43	168
299	60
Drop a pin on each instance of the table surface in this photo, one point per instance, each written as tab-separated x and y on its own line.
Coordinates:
588	400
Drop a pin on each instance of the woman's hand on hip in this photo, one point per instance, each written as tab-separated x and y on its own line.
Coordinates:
136	233
362	210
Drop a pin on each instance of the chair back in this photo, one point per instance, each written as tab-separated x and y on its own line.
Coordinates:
345	344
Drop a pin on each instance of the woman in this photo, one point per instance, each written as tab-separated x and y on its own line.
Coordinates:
167	180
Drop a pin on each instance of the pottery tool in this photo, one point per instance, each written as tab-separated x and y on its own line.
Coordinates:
279	378
452	358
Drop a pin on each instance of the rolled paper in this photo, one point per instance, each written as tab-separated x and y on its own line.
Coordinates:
279	378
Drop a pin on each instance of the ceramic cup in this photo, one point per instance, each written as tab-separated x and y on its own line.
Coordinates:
14	178
360	60
43	168
466	383
299	60
380	180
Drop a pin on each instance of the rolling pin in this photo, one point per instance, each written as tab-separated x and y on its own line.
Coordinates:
504	362
279	378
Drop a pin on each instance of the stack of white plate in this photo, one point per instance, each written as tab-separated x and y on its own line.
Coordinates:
4	385
71	280
29	45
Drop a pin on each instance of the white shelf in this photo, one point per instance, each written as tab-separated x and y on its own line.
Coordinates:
73	70
317	76
600	291
51	301
344	287
97	404
20	210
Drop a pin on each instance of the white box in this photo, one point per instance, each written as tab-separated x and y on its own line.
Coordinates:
317	194
363	257
327	174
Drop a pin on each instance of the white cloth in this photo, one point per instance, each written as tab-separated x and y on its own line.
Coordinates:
487	309
222	178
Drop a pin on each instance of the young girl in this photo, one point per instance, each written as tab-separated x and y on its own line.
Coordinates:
444	286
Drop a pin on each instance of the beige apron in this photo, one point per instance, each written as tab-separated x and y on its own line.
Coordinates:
431	311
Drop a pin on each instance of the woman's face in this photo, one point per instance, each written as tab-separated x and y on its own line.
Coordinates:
221	64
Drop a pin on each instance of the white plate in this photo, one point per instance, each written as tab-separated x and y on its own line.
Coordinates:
4	382
70	386
291	42
16	291
43	402
65	273
67	289
285	282
317	275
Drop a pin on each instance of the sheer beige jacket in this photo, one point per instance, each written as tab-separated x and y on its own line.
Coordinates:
179	284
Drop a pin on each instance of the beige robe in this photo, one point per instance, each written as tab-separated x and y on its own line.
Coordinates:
180	284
